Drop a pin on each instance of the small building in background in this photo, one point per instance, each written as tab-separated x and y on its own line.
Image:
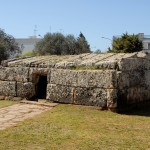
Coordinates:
146	41
27	44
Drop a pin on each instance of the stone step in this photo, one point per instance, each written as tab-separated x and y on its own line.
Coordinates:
40	102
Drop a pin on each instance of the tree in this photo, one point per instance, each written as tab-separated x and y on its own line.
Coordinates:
126	44
82	44
8	47
58	44
71	44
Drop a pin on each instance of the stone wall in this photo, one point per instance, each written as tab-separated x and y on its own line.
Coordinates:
133	81
14	81
85	87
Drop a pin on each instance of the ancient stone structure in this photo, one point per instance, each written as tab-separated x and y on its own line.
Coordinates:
109	81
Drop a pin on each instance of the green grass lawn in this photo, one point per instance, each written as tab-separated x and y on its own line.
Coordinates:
5	103
70	127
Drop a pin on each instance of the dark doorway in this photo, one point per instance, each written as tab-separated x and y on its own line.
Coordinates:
41	87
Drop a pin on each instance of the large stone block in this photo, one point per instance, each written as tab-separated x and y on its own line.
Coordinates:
131	78
127	64
146	64
137	94
97	78
132	96
106	64
8	88
34	72
19	74
65	64
90	97
84	78
63	77
26	90
131	64
81	96
59	93
147	78
144	55
22	74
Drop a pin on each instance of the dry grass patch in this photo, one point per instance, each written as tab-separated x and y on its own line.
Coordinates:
70	127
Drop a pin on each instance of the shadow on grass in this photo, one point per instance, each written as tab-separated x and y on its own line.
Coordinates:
143	111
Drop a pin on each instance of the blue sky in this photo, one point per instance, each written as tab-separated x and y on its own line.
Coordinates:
94	18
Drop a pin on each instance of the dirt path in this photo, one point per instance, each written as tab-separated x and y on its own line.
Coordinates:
9	116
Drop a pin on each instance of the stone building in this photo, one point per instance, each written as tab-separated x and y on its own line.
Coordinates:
109	81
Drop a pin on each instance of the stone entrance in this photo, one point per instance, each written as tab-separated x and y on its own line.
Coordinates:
41	87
